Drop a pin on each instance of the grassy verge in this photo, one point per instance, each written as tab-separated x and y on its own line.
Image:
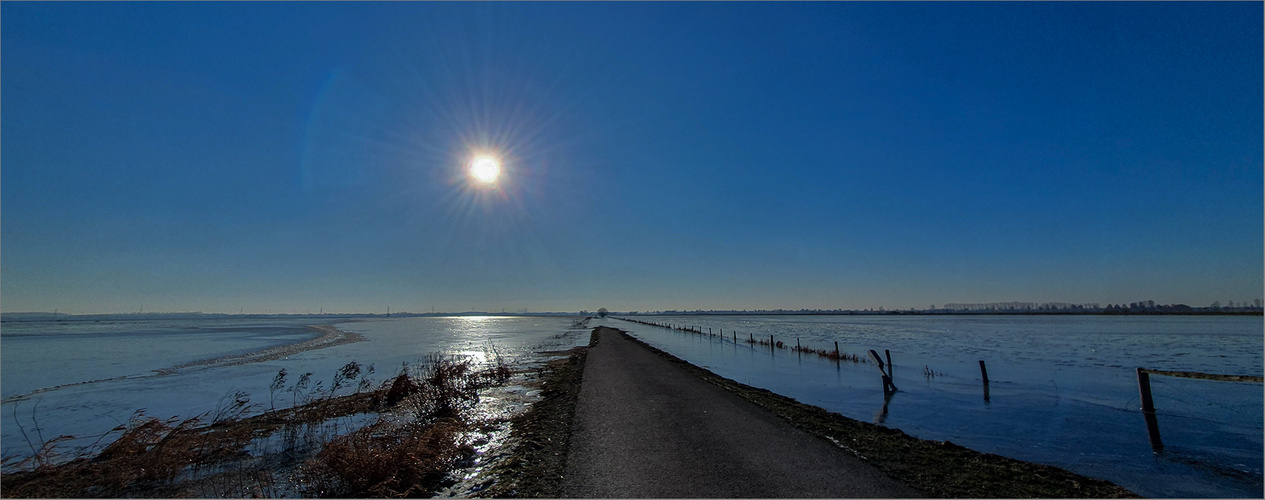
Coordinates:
934	468
401	439
542	433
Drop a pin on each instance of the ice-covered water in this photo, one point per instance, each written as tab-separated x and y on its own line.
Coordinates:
1062	391
84	378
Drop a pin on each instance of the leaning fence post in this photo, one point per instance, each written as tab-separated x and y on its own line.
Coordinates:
877	361
888	386
1148	410
983	371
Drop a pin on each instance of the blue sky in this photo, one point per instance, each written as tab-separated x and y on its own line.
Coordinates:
290	156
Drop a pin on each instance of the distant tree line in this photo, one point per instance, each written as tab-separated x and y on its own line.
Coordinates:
1150	307
1023	307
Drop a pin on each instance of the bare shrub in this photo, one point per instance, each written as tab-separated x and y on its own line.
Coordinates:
402	386
446	389
382	460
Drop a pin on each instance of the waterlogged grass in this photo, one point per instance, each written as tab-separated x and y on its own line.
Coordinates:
399	439
541	435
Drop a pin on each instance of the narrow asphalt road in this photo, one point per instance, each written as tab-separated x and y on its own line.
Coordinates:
646	428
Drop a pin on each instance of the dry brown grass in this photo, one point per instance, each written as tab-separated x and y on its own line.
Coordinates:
410	458
386	460
831	354
149	455
211	455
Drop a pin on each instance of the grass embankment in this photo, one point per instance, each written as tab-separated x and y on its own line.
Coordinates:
314	448
934	468
541	435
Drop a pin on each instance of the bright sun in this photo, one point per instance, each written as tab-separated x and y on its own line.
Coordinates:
485	170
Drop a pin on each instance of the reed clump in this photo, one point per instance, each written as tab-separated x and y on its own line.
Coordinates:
832	354
416	439
387	459
149	455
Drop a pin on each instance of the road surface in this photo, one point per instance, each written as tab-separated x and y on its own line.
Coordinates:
644	427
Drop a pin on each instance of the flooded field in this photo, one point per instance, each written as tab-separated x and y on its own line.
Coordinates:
1062	391
85	378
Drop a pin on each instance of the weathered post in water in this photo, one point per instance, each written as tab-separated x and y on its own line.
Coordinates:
889	359
1148	410
888	386
983	371
1144	390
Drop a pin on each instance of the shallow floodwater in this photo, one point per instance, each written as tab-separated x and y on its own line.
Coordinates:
84	378
1063	389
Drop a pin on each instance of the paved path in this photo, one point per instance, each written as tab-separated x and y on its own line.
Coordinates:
646	428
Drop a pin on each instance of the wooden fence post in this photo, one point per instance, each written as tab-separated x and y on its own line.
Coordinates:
1148	410
888	386
889	359
877	361
984	373
1144	389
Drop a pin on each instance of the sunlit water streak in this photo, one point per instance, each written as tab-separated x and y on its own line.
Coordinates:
1062	389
